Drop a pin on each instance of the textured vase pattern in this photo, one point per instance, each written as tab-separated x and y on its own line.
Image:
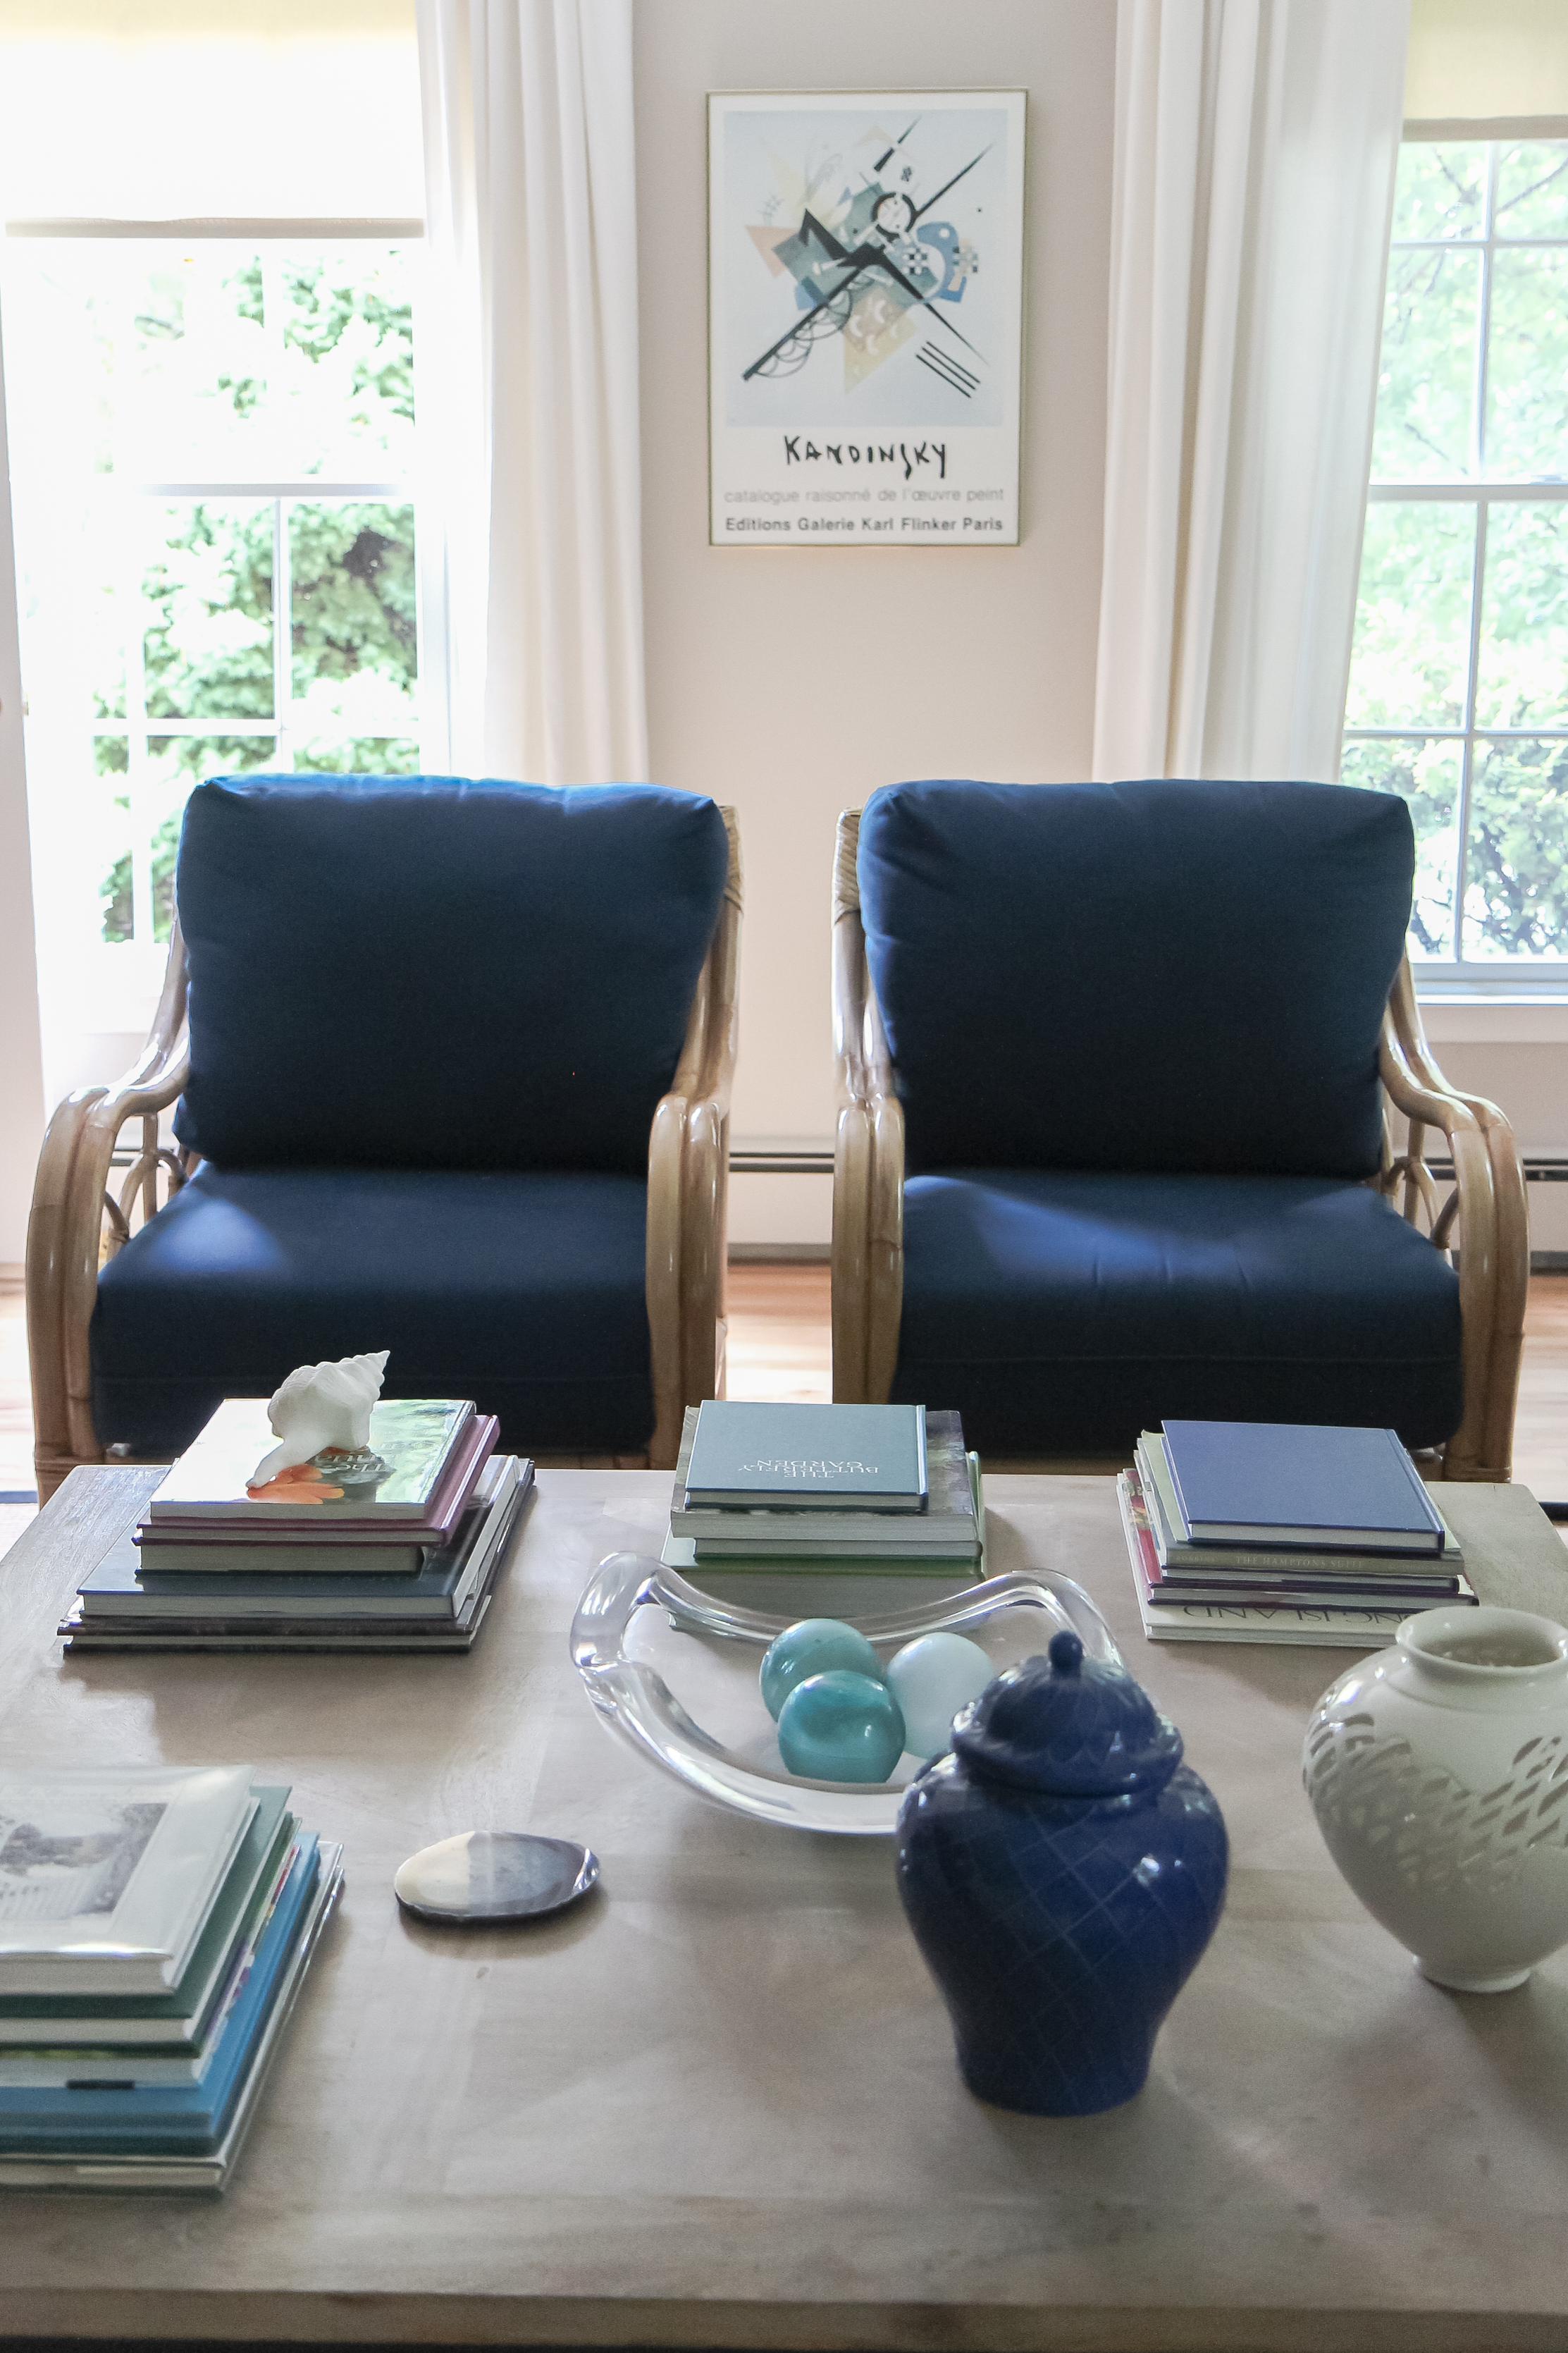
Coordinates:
1438	1773
1433	1832
1060	1930
1062	1871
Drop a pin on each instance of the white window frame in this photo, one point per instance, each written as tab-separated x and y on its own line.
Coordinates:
1516	979
141	959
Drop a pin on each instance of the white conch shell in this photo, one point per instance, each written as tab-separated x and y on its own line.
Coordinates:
321	1405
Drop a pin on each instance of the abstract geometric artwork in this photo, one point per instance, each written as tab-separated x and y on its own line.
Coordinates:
865	317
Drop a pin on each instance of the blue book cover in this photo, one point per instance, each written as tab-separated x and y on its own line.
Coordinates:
1300	1484
186	2117
807	1457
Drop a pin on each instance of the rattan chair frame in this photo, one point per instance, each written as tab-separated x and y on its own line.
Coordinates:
1482	1225
79	1221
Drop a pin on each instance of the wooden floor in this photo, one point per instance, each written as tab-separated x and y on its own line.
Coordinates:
780	1347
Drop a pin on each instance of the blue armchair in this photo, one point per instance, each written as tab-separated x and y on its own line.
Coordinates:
453	1066
1115	1063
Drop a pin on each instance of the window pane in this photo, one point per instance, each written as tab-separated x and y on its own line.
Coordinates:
240	364
208	634
175	764
1413	616
1527	379
365	755
1427	776
354	607
1515	873
348	360
1523	665
1533	191
192	361
1440	191
1425	389
111	836
60	325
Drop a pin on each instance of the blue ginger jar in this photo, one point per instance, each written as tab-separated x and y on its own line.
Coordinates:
1062	1871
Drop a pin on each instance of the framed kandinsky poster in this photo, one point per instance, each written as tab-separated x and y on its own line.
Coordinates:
864	332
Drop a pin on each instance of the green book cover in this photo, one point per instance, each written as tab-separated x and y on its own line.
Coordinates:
413	1437
807	1457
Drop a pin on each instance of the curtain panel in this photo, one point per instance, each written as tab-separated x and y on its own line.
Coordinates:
1256	144
21	1066
530	490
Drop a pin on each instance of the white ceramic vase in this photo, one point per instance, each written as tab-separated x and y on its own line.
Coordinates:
1439	1772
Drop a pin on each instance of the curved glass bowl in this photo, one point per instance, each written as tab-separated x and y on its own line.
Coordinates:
1011	1616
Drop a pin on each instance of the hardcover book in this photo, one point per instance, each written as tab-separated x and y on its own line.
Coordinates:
1238	1621
49	2063
125	1584
1239	1482
1400	1573
414	1440
1279	1578
151	2162
946	1530
107	1876
183	2117
181	2016
367	1638
806	1457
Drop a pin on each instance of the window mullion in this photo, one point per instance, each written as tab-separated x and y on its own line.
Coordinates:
138	762
1483	325
1468	758
282	640
1478	556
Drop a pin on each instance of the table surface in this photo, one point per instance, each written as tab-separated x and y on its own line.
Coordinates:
717	2105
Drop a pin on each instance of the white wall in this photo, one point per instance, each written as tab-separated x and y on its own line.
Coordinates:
1517	1056
791	682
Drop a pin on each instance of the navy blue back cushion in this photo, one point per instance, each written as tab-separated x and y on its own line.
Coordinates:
1162	975
424	971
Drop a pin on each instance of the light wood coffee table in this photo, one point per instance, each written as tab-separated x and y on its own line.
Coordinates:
717	2105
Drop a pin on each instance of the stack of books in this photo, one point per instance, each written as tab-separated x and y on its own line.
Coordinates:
1283	1532
885	1488
398	1552
154	1928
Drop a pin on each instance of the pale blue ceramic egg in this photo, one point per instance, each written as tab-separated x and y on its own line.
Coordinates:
932	1678
811	1648
840	1727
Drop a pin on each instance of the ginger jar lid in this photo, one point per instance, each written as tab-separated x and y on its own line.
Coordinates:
1069	1727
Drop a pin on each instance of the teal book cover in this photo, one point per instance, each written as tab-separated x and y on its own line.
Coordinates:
810	1457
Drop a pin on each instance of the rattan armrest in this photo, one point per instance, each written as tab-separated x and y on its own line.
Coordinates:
688	1188
868	1157
65	1238
1485	1220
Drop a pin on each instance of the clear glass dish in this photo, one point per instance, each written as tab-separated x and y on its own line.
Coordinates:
640	1627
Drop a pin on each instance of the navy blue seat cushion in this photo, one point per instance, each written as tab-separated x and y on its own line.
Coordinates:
1062	1313
421	972
523	1291
1164	975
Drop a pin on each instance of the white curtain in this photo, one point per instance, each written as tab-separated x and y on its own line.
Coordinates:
21	1071
1256	146
529	494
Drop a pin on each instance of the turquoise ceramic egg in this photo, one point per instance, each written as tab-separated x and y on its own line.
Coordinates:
811	1648
932	1679
840	1727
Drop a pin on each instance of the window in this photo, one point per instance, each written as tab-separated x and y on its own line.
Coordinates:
211	450
1459	690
